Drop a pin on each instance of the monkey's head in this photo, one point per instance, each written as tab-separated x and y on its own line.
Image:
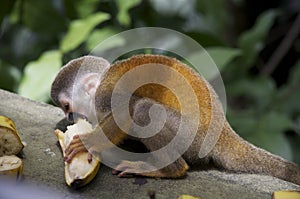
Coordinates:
75	85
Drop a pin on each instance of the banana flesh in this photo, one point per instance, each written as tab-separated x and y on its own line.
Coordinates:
286	195
79	171
10	146
187	197
10	142
11	166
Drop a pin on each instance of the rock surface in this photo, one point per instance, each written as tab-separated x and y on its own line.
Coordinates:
43	165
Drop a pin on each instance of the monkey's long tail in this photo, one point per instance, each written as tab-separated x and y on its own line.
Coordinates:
237	155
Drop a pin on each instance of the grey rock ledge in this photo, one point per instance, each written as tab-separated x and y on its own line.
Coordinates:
43	165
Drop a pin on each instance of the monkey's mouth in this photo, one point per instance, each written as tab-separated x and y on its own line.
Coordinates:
74	117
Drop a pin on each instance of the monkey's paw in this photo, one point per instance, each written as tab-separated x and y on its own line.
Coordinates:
128	168
75	147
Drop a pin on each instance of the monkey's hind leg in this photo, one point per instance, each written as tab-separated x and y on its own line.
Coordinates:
176	169
174	165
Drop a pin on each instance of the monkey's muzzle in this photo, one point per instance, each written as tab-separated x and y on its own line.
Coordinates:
74	117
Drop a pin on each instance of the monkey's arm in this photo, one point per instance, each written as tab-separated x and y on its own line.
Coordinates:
160	163
97	142
105	135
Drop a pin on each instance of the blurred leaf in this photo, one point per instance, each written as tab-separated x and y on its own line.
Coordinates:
205	39
266	130
80	29
42	16
242	121
86	8
270	134
5	8
124	6
109	46
39	74
99	35
173	7
70	9
252	41
260	90
215	14
294	75
10	76
222	55
289	95
294	140
217	56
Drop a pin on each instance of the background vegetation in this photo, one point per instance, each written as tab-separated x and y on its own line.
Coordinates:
256	44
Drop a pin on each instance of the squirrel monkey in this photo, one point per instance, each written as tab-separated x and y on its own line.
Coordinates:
230	152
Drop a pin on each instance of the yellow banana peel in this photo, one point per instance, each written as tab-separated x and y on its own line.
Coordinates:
10	145
79	171
286	195
187	197
10	141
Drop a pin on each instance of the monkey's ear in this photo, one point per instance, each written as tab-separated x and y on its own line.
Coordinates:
91	83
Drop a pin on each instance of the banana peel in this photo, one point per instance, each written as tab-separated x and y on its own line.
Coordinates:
11	166
286	195
79	172
10	141
187	197
10	145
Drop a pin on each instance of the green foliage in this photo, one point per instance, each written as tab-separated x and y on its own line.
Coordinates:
252	41
123	14
222	55
84	8
259	91
265	130
39	75
9	76
216	17
219	57
6	8
79	30
290	93
41	16
38	37
99	35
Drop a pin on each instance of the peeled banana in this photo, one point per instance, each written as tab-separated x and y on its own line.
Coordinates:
79	171
286	195
10	142
11	166
187	197
10	145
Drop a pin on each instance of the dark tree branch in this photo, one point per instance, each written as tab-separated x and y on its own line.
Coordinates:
283	48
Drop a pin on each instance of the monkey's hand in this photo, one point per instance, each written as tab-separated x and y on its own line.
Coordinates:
128	169
75	147
89	142
95	142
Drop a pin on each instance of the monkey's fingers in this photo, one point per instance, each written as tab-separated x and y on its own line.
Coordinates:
125	174
128	169
72	153
115	171
76	146
72	147
76	142
90	158
122	174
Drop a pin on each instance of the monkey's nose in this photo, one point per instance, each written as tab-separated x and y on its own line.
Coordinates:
73	117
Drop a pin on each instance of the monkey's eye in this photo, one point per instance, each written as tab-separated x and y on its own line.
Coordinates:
67	107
